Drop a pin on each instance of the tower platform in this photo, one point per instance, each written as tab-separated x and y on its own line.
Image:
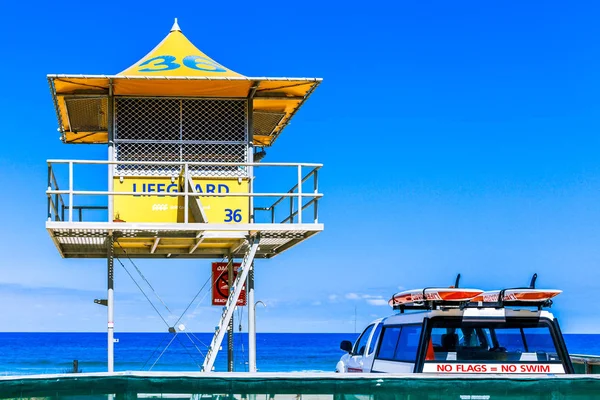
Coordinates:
192	240
79	224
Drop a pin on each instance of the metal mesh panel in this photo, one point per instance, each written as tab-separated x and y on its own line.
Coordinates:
152	234
266	235
180	130
147	119
143	151
216	152
214	120
265	122
87	114
80	233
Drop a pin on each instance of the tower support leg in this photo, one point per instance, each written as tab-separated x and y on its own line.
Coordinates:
230	361
110	304
251	321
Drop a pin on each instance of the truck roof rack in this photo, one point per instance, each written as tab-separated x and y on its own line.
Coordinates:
453	297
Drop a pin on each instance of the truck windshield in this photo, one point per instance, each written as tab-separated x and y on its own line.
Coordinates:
510	341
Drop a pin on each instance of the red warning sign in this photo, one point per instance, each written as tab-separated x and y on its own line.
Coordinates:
220	284
494	368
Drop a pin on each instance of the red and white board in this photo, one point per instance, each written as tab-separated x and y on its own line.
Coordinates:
531	295
434	294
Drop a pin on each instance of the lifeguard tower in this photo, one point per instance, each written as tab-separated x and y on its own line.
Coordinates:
185	138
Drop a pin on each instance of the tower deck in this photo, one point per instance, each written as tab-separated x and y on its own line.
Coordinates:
81	229
192	240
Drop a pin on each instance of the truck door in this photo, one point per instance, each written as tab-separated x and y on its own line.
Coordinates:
356	360
369	356
398	349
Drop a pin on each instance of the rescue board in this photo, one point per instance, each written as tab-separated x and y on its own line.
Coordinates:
532	295
433	294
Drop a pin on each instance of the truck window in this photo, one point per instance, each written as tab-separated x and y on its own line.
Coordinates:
361	343
389	340
537	338
457	340
399	343
408	343
374	339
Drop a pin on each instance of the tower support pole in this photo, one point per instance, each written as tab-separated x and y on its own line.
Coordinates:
111	150
250	131
230	361
110	304
251	321
250	278
111	244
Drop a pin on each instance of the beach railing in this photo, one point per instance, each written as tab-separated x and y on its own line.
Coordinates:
585	364
291	206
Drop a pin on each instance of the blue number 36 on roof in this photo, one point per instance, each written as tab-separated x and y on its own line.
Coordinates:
167	62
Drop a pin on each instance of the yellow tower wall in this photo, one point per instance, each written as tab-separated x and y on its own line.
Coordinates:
166	208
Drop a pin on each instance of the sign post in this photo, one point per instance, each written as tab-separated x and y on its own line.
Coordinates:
230	361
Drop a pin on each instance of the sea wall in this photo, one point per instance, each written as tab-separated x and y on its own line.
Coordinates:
293	386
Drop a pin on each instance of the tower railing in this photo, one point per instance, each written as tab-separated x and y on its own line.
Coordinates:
297	205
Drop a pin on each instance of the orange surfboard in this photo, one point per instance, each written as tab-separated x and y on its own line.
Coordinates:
434	294
526	295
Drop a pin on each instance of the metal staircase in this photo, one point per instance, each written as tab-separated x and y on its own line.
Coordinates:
234	294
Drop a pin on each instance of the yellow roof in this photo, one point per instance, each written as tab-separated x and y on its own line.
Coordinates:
175	67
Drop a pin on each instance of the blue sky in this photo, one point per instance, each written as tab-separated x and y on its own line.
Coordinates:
456	137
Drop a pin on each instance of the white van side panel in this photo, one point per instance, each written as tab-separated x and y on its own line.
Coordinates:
392	366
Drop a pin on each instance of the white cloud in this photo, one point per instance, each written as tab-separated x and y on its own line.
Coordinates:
377	302
315	303
369	296
370	299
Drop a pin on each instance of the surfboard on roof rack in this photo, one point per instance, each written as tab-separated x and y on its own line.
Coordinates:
433	294
519	294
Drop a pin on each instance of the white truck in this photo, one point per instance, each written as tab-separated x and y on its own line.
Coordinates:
455	330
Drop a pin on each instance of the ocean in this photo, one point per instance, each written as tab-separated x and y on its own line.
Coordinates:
45	353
